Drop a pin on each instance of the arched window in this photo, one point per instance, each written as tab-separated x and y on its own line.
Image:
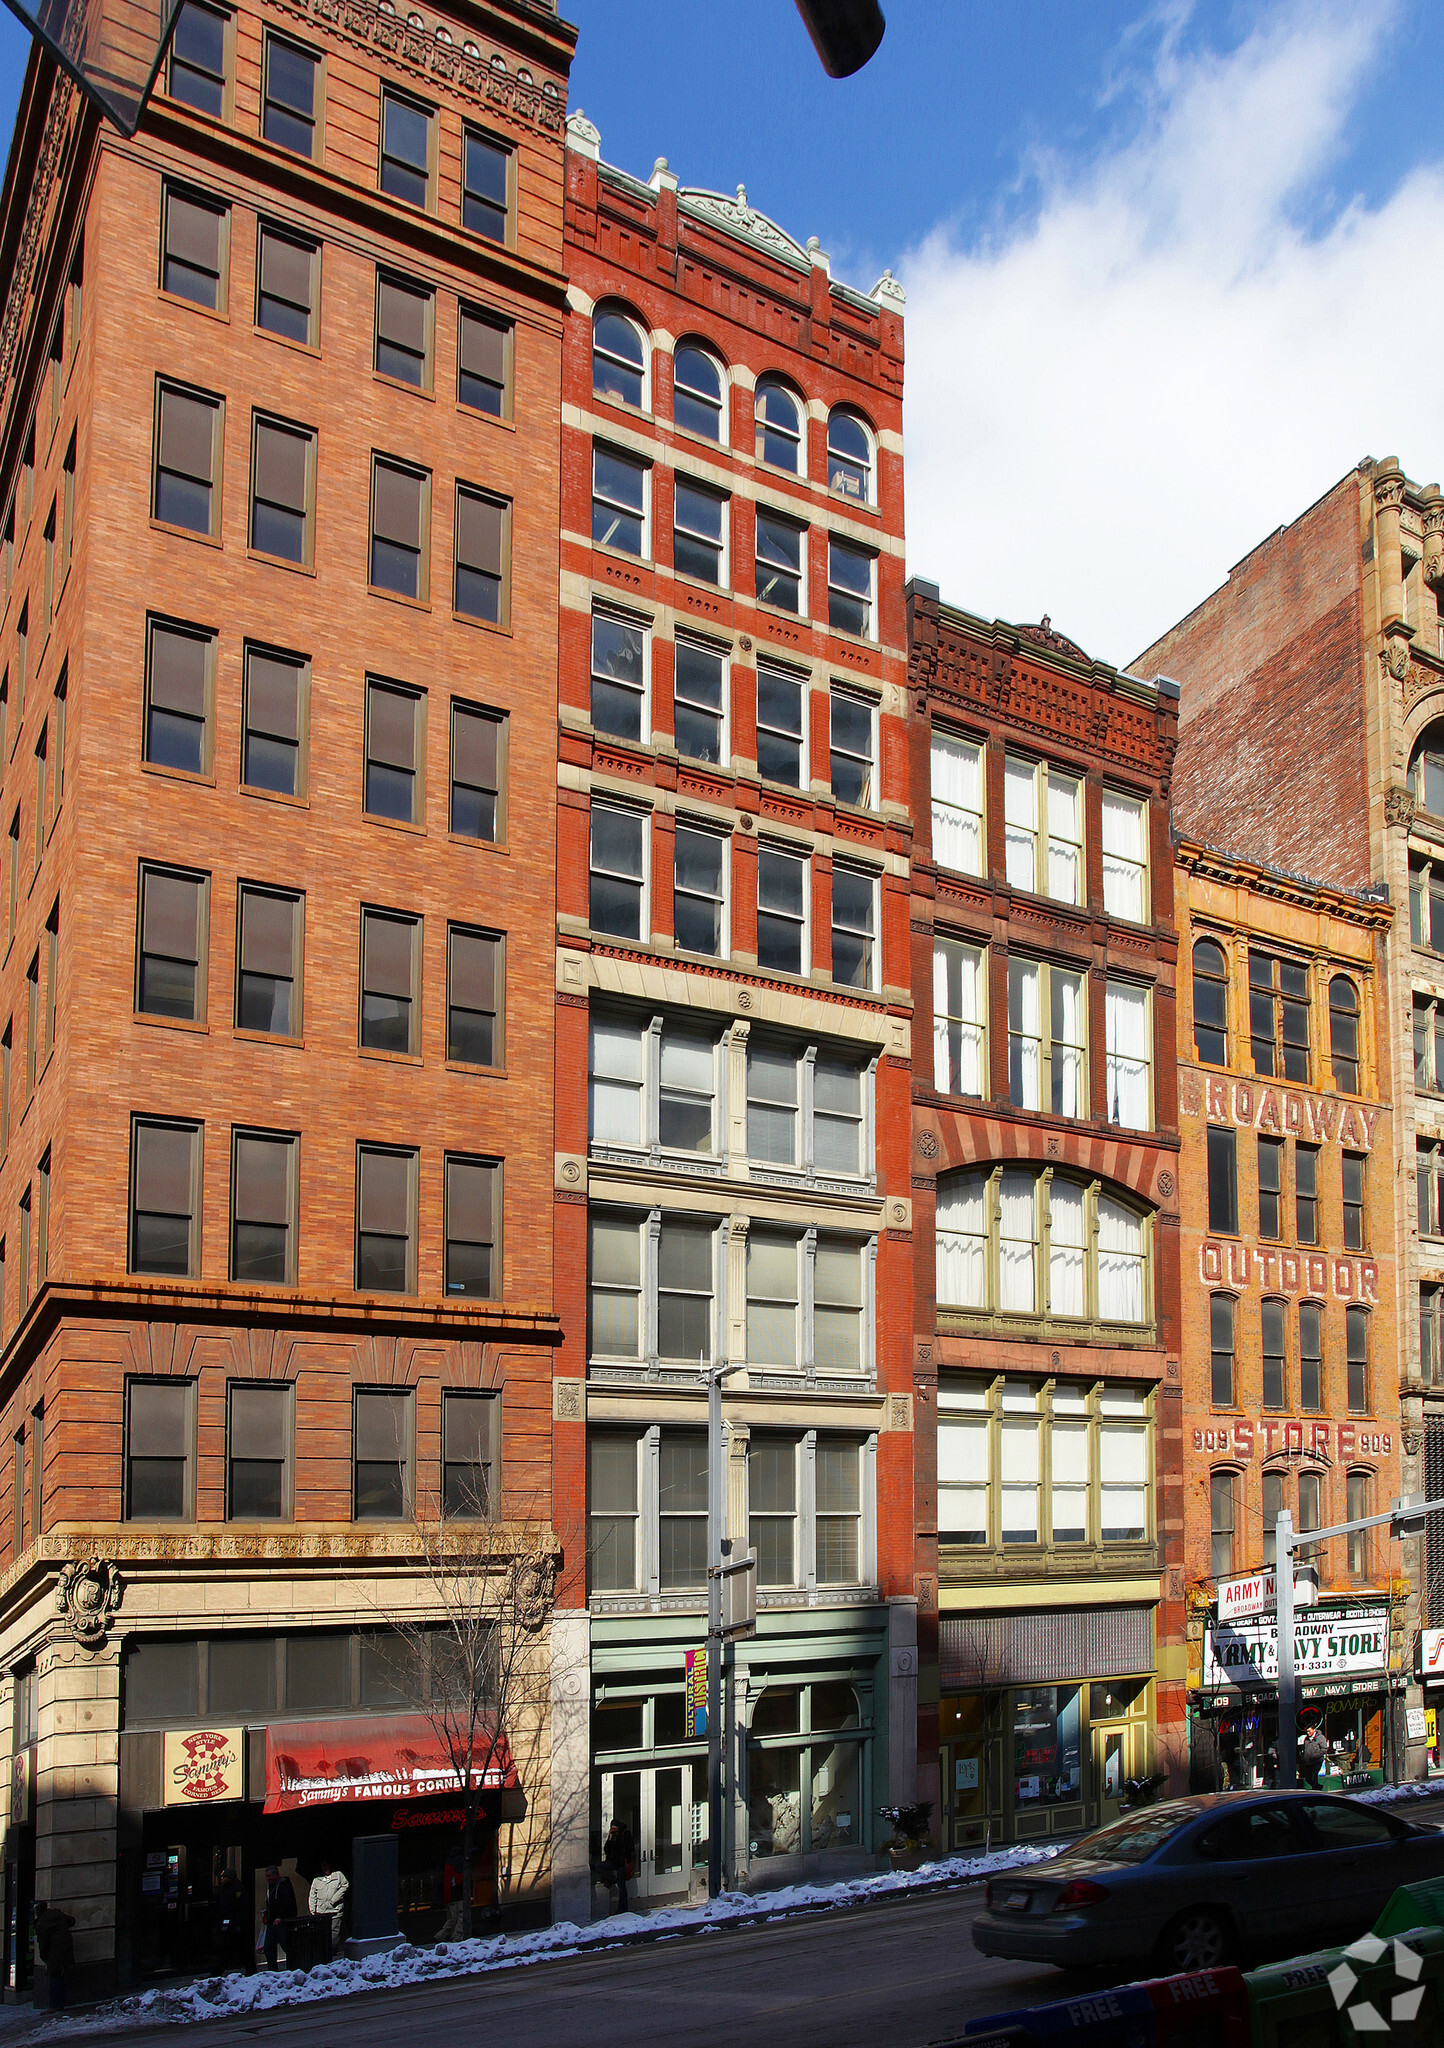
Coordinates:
619	357
1210	1003
1426	771
1222	1502
1020	1242
697	391
849	456
1356	1345
1220	1330
1344	1034
779	428
1271	1324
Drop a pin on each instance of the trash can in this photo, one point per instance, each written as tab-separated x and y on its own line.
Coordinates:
307	1941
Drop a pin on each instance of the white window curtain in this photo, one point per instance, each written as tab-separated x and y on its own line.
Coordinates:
1121	1291
1066	1002
1123	1480
957	805
1125	1011
616	1083
957	1018
616	1289
1020	825
772	1300
1124	856
1017	1240
1066	1249
1025	1049
962	1244
1020	1480
963	1477
1068	1450
1065	853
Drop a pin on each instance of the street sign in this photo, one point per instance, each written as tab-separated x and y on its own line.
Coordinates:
739	1596
697	1694
1255	1593
111	48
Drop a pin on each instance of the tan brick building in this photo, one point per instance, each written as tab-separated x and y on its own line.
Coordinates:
1290	1387
279	388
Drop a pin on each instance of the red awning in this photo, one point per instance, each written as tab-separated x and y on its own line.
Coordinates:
324	1763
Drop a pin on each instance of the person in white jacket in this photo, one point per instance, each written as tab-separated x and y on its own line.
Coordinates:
328	1901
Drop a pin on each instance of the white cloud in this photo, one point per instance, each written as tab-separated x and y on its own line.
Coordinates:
1112	401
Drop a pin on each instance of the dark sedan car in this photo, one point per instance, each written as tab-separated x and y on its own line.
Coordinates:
1210	1879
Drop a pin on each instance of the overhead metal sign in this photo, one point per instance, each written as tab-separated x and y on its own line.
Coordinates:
111	48
1330	1643
1257	1593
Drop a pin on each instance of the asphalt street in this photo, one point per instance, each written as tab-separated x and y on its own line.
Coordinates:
903	1973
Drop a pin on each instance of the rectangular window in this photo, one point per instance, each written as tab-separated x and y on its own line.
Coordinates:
290	97
258	1453
616	903
473	1228
839	1513
160	1430
837	1307
1020	1464
699	701
612	1512
1221	1490
849	588
385	1220
1270	1188
1068	1458
1125	856
773	1109
1278	1010
14	873
408	148
1431	1332
1222	1180
1221	1310
1310	1501
390	974
469	1437
618	702
1311	1357
779	563
49	585
1043	830
37	1469
385	1428
25	1231
273	722
619	501
686	1091
474	1006
268	961
1356	1333
395	746
957	804
854	922
699	533
263	1209
1273	1504
963	1464
485	186
1359	1507
405	319
837	1116
22	634
42	1223
1353	1180
478	752
41	749
199	52
699	908
853	746
400	528
1047	1049
1129	1055
772	1299
780	703
32	1025
7	1056
960	1063
483	537
684	1289
283	486
17	1490
188	427
170	977
1123	1464
483	363
781	911
286	295
614	1299
165	1173
616	1103
772	1508
1271	1315
62	701
1306	1193
194	248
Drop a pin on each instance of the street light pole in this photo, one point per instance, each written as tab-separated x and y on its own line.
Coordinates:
716	1545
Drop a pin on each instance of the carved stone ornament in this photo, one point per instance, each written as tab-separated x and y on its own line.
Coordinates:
532	1591
1412	1441
1396	654
86	1598
928	1145
1165	1183
743	219
1398	808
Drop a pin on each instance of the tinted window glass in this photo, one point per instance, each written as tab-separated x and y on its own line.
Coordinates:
1337	1825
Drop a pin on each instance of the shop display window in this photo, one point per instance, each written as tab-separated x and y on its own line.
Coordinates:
1047	1745
805	1795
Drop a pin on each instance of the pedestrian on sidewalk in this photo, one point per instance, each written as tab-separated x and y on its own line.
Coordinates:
278	1914
327	1900
1312	1755
618	1864
57	1950
452	1889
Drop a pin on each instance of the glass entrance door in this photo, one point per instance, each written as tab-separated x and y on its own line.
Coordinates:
1112	1764
665	1808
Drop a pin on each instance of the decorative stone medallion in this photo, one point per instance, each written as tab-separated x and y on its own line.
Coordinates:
87	1596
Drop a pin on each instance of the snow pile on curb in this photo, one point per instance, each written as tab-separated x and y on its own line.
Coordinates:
215	1997
1389	1795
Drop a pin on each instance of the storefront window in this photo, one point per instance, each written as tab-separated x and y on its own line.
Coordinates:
243	1676
617	1726
774	1803
1114	1698
806	1795
778	1712
1047	1747
318	1673
835	1817
389	1673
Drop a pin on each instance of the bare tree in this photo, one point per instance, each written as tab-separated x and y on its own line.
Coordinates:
469	1649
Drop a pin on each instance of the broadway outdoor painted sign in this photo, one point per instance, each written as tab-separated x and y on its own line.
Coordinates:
1335	1643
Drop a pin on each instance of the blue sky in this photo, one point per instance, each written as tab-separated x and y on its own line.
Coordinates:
1171	270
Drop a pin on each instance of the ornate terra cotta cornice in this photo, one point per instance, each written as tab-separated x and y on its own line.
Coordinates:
63	96
737	217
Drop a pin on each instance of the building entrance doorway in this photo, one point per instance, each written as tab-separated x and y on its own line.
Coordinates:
665	1807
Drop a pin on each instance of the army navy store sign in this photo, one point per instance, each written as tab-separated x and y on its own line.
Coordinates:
1351	1642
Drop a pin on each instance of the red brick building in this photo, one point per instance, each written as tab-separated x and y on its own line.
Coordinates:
1045	1191
733	1020
279	486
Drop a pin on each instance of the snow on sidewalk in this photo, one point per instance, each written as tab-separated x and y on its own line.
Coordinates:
214	1997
